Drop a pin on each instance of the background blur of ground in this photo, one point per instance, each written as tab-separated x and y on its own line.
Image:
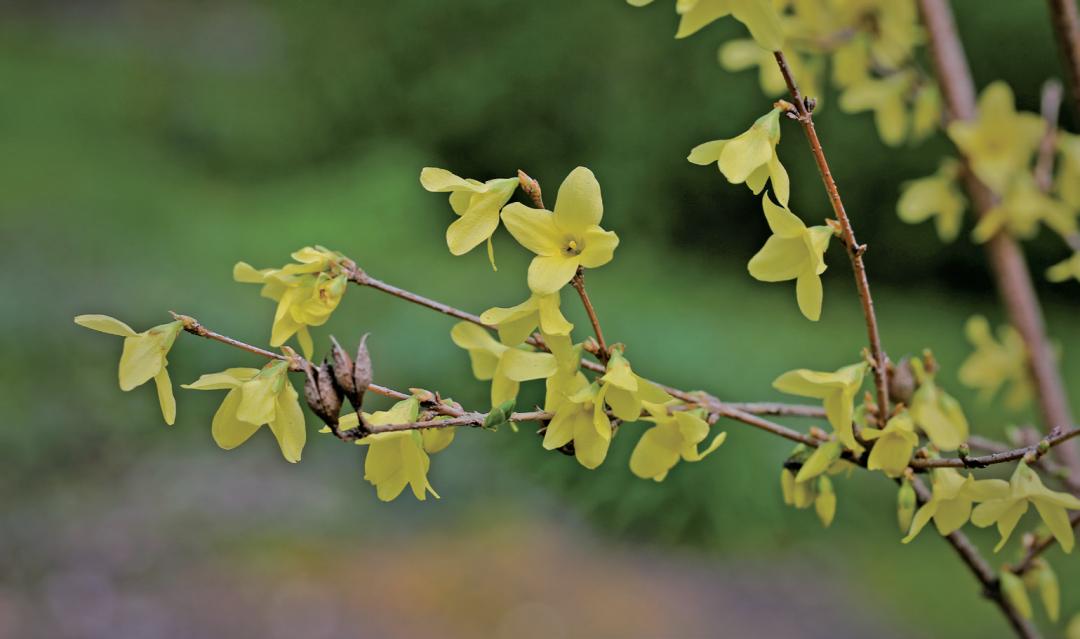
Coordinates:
147	146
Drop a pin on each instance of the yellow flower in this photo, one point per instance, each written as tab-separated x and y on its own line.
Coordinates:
1069	268
1000	142
886	97
477	205
144	356
397	459
675	436
935	196
566	239
750	157
506	367
793	252
894	445
1067	182
256	397
624	391
838	390
306	292
579	416
816	491
759	16
738	55
1021	210
1025	487
950	506
994	364
517	323
936	412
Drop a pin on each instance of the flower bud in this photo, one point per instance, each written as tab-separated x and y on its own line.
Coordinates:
905	505
1015	593
825	502
1049	591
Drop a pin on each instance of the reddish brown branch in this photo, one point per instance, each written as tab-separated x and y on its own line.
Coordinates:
854	249
1050	107
1038	546
1066	21
578	283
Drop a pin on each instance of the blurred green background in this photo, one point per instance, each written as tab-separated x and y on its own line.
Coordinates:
147	146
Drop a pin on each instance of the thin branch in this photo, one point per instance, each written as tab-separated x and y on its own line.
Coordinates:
1066	20
854	249
1035	451
1004	253
1039	546
1050	107
778	409
578	282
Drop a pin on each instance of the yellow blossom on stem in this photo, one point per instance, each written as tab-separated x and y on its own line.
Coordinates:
256	397
579	416
887	98
738	55
937	196
517	323
815	490
477	205
936	412
675	436
999	143
1025	488
793	252
1022	209
759	16
893	445
399	458
624	391
1064	270
954	494
996	363
505	366
565	239
307	292
749	157
143	357
837	390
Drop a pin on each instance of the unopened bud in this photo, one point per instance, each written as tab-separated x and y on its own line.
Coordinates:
1015	592
1043	447
905	505
964	450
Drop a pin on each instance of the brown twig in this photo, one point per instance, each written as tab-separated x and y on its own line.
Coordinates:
578	282
854	249
1050	108
1005	256
1038	546
1066	21
1036	451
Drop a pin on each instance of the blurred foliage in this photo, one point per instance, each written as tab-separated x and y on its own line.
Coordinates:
148	146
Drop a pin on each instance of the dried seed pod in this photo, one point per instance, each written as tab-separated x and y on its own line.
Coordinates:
328	393
902	382
361	372
311	392
343	369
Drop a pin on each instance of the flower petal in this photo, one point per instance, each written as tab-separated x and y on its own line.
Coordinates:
579	205
534	229
547	274
105	324
165	396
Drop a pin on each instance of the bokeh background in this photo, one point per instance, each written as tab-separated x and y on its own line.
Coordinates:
146	146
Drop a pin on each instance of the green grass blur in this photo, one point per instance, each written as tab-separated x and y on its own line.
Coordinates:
149	146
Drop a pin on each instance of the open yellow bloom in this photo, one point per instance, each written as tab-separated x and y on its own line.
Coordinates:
894	446
624	391
517	323
675	436
838	390
887	98
579	417
1025	488
256	397
793	252
506	367
566	239
307	292
950	506
936	196
1000	142
397	459
144	356
936	412
759	16
1022	209
1064	270
476	203
749	157
995	363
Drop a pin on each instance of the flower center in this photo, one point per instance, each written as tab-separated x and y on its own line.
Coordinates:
571	248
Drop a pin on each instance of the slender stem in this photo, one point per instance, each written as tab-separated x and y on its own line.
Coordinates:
1000	457
1066	20
1050	107
1004	253
578	283
1038	546
725	410
778	409
854	249
192	325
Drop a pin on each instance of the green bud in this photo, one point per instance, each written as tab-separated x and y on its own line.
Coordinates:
1015	593
905	505
1049	591
819	461
825	502
499	415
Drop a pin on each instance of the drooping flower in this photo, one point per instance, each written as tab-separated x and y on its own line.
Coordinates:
759	16
625	391
893	445
936	196
1064	270
675	436
1021	211
579	416
995	363
1025	488
477	205
307	292
936	412
749	157
793	252
256	397
816	491
143	357
837	390
566	239
999	143
954	494
400	458
516	323
505	366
